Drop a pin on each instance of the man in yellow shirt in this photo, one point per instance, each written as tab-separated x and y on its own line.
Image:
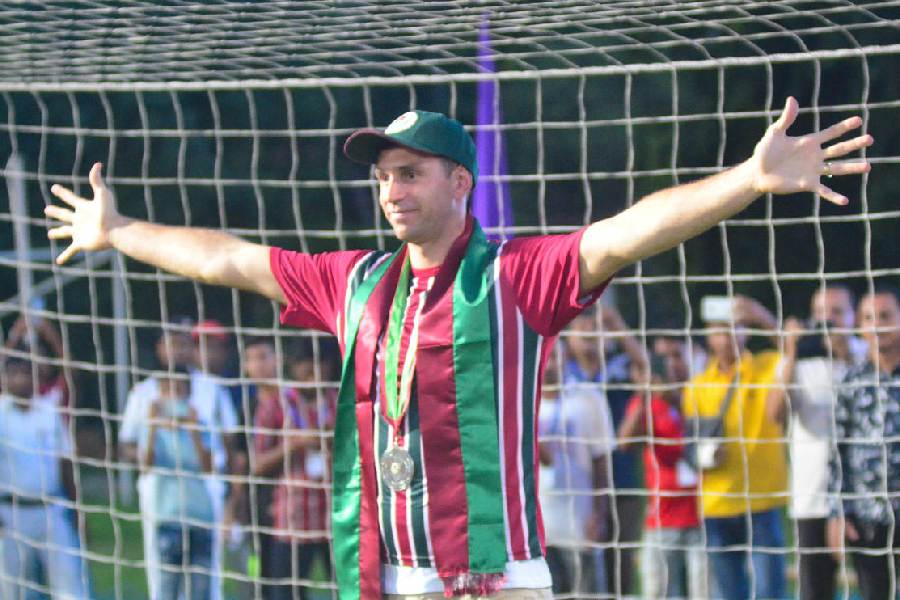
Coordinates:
750	479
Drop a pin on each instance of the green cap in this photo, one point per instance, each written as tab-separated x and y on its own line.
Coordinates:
429	132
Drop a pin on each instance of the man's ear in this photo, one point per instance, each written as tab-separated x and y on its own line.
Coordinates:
462	180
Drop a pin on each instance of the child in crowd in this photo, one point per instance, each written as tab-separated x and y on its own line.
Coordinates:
176	446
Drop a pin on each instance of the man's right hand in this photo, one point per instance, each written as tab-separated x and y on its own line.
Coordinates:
87	223
839	530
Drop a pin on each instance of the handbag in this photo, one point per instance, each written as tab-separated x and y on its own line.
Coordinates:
704	448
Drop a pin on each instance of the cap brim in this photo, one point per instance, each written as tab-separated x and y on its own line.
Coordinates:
365	145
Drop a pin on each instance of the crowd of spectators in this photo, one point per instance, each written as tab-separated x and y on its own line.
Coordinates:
670	467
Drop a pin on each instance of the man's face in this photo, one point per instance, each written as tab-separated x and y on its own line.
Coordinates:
417	194
211	353
175	349
725	344
879	318
19	380
303	370
674	351
583	343
260	362
833	305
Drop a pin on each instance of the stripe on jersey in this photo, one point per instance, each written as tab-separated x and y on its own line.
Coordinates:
476	412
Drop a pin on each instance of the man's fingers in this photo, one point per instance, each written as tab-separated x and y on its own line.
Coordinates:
96	179
838	129
59	213
838	150
66	195
788	115
831	195
60	233
849	168
67	254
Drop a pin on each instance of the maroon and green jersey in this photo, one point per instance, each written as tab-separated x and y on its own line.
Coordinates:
486	322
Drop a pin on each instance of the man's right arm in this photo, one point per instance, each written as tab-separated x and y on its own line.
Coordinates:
206	255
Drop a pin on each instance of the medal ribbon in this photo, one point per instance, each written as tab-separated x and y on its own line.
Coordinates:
397	397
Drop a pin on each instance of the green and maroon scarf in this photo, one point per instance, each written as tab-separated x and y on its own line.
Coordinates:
455	382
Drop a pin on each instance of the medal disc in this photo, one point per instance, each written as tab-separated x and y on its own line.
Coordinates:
396	468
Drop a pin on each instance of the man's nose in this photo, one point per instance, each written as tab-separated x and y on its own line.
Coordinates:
393	190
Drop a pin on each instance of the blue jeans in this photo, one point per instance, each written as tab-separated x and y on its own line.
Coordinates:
185	555
747	566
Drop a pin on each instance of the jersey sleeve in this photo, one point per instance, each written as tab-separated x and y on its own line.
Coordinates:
544	274
314	285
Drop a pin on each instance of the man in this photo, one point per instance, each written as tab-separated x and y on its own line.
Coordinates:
742	493
811	369
454	325
36	471
577	439
672	565
175	352
290	451
588	364
865	460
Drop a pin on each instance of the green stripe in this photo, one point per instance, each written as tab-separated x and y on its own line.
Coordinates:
529	378
476	406
347	483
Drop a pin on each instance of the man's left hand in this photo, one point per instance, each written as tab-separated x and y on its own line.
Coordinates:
787	164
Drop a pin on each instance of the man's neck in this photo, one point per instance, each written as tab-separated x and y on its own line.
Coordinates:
840	348
888	359
726	363
432	254
589	364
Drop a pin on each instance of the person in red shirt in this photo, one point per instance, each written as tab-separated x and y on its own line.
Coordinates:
673	555
290	448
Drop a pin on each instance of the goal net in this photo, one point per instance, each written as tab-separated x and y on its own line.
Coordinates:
232	116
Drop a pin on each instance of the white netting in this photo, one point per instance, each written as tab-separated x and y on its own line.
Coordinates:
232	115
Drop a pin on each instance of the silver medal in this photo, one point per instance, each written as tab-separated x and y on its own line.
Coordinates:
396	468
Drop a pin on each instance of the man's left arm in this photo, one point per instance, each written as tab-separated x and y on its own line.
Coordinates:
780	165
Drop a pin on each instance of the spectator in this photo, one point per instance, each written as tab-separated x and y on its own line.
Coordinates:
865	461
176	448
48	345
673	565
577	438
743	494
215	414
810	371
214	354
289	447
36	471
588	363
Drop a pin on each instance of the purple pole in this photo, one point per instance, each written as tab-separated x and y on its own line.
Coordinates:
491	203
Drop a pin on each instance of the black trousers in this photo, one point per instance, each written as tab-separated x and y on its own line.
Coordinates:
291	561
875	559
817	567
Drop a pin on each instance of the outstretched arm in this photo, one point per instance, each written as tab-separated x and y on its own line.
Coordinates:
206	255
780	164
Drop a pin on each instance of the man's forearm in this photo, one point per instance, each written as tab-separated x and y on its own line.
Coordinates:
206	255
663	220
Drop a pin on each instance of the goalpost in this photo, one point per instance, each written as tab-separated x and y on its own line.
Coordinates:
232	116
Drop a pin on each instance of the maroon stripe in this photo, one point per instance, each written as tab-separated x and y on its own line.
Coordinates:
511	440
370	327
447	501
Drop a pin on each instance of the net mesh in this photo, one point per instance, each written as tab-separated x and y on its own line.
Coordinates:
231	116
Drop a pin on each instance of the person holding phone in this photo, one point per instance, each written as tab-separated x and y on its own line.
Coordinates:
176	447
743	478
815	359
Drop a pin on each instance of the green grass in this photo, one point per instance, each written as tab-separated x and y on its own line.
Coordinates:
115	545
